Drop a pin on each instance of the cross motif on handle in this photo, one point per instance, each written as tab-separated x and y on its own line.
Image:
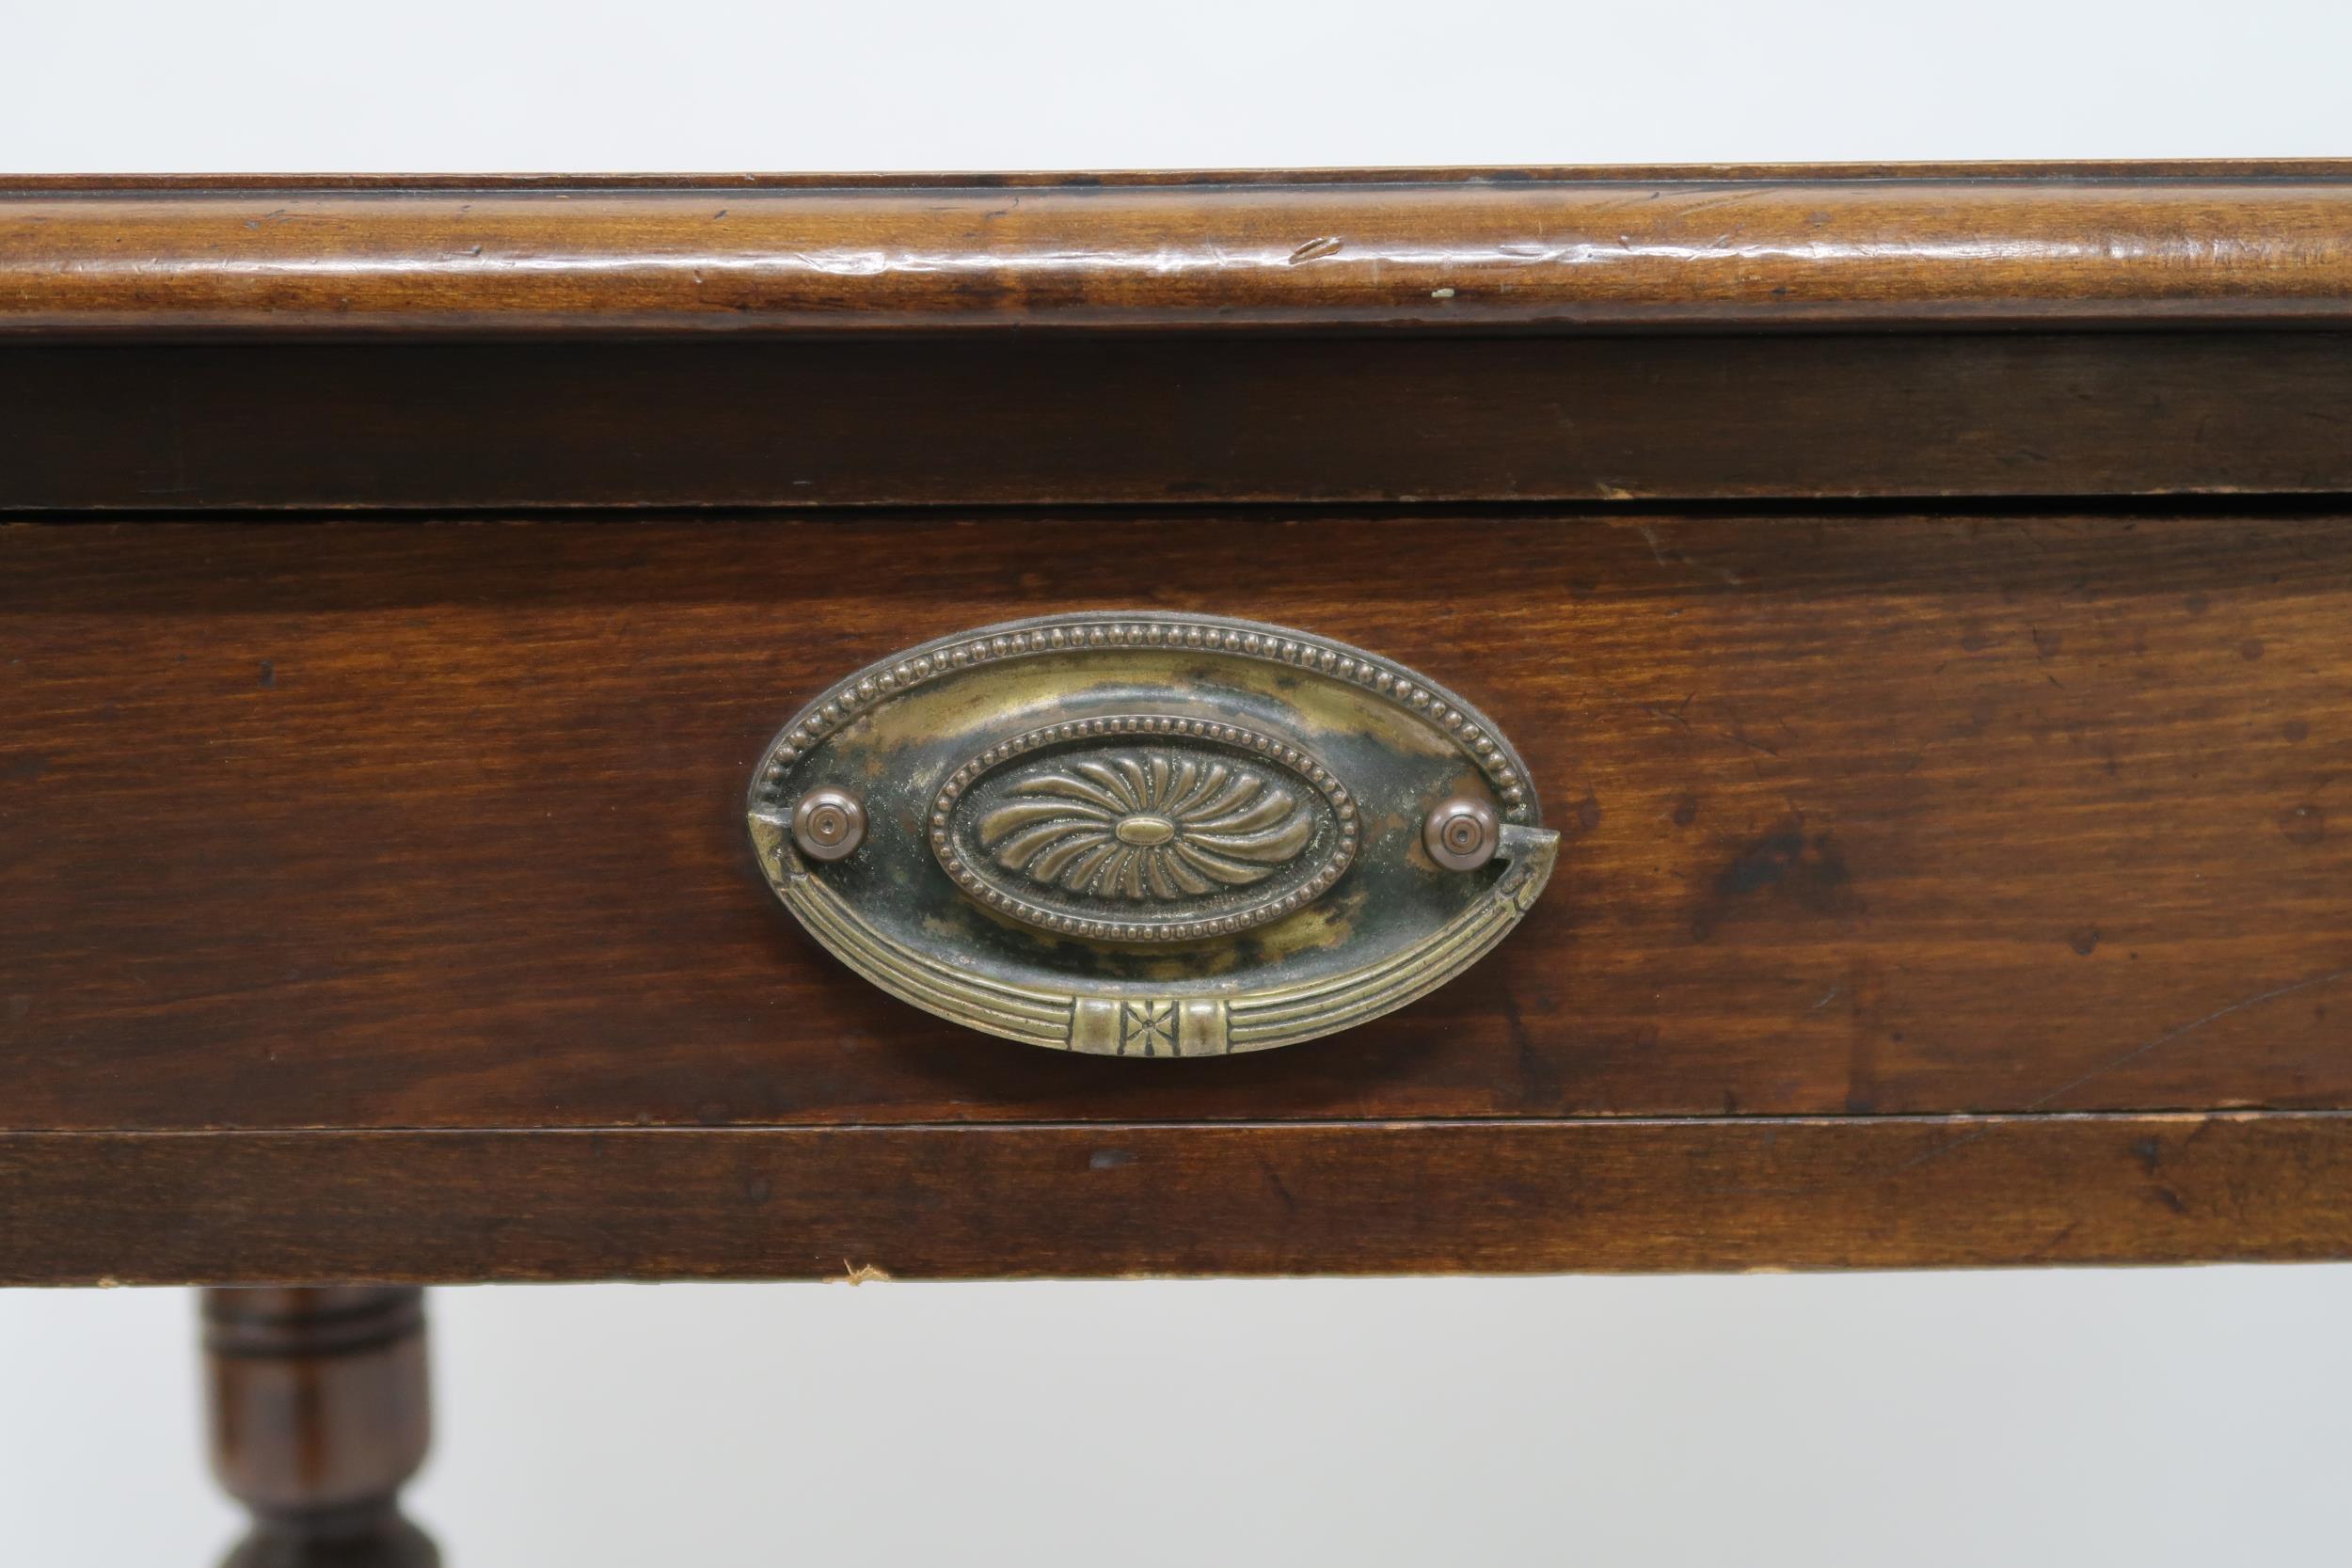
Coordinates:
1148	1025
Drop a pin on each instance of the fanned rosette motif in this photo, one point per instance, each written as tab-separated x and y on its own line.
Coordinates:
1148	825
1144	827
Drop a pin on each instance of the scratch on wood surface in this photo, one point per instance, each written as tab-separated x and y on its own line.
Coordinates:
2065	1234
1931	1155
1671	715
1689	210
862	1274
2134	1054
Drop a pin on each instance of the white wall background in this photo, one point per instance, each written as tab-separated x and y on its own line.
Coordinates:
250	85
2160	1418
2156	1419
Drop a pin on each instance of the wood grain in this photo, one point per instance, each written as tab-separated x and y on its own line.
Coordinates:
437	825
1945	889
940	1203
1181	418
1459	253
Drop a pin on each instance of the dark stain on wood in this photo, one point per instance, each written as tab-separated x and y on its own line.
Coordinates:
2304	824
1785	871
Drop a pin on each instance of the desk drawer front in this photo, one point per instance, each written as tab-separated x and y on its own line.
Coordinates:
417	824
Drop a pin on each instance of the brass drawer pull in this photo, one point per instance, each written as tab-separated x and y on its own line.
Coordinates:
1148	835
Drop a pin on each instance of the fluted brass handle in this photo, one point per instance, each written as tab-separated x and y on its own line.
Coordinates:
1148	835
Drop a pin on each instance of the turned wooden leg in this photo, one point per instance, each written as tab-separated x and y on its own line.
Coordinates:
319	1413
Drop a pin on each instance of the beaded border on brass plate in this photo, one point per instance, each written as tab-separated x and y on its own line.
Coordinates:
844	702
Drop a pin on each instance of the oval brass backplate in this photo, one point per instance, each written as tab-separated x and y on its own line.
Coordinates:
1149	835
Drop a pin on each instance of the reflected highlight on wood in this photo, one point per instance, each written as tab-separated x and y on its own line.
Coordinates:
319	1414
1547	248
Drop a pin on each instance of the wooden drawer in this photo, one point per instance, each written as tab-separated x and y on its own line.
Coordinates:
1949	877
437	824
434	825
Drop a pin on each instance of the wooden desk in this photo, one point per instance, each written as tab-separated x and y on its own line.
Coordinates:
1916	597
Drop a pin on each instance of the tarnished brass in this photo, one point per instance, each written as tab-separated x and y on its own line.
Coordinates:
1148	835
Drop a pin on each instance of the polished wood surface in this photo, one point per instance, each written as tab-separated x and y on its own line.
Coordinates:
1178	418
320	1413
1562	249
1895	577
855	1204
438	825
